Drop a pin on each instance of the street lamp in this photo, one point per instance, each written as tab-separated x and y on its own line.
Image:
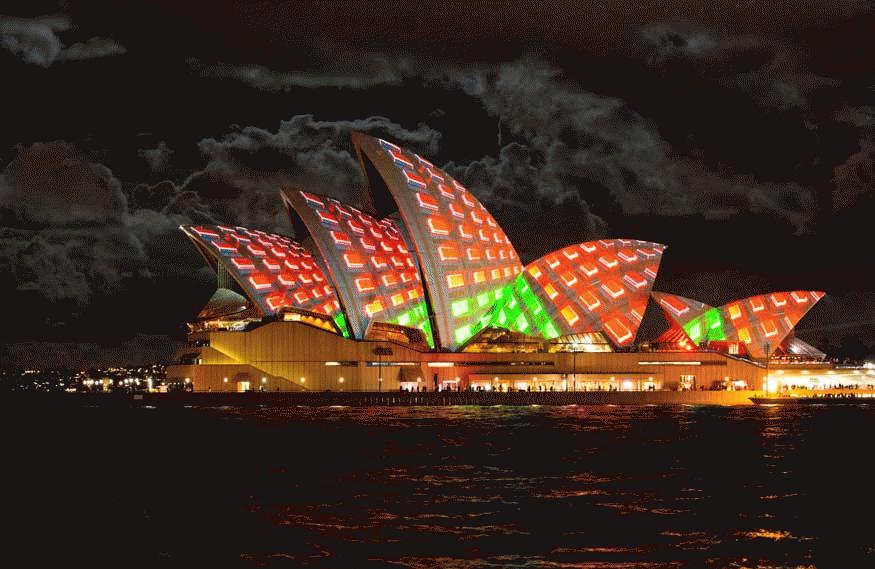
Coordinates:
380	351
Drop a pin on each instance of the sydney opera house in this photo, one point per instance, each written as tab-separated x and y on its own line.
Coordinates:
418	288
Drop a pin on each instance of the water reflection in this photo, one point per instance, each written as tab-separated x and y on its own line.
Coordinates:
572	486
476	487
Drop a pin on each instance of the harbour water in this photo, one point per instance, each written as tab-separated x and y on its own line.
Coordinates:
458	487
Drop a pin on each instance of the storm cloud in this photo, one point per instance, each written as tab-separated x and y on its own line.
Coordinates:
36	41
580	145
770	70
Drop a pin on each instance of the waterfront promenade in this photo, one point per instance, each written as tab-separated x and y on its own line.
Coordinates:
395	398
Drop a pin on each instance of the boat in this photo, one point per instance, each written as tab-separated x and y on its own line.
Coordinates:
825	399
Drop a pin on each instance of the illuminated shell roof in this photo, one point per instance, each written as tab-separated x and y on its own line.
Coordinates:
597	286
368	260
464	254
273	270
756	321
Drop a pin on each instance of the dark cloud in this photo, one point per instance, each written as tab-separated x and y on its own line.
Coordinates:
771	71
597	150
36	41
51	184
74	237
68	234
368	70
861	117
157	158
248	166
855	178
91	48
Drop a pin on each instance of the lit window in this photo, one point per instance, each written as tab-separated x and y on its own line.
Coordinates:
353	260
257	251
619	331
434	176
438	226
427	202
242	263
260	281
326	217
374	307
734	311
590	300
455	280
799	296
365	284
400	160
312	200
448	252
609	261
769	328
204	232
414	181
614	289
635	279
570	315
778	299
340	238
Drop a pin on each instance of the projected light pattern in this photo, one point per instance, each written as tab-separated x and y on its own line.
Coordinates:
367	259
464	253
757	321
274	271
518	308
597	286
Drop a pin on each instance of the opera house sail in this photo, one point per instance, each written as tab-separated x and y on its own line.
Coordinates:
418	283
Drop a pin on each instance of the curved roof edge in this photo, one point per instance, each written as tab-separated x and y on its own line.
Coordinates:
465	257
762	322
274	271
369	261
595	286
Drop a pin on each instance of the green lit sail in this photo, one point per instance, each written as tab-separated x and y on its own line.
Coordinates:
417	317
340	320
708	327
518	309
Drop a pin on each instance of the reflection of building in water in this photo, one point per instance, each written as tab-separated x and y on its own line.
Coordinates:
420	288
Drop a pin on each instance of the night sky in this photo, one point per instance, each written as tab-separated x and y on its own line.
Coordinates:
741	136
